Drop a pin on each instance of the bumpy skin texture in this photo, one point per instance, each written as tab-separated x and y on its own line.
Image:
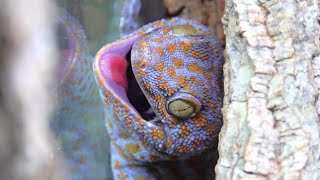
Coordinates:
175	60
78	119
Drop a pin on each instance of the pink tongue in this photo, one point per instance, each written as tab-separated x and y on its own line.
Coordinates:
118	67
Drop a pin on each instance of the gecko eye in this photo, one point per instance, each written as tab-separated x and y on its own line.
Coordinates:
183	105
185	30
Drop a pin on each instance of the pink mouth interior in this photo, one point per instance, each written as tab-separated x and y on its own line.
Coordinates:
113	66
117	67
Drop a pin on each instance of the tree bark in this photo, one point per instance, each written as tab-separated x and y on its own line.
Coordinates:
272	84
208	12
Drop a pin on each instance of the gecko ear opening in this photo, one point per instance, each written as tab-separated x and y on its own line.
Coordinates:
135	94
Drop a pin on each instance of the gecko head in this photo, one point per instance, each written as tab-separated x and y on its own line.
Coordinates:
173	82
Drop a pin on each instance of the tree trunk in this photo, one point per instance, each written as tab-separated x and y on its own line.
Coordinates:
272	80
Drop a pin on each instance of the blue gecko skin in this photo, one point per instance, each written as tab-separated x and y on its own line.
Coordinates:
177	65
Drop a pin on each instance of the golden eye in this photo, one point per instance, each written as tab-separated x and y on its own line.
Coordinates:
183	105
184	29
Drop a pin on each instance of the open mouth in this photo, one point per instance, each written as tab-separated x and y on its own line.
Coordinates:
113	65
135	95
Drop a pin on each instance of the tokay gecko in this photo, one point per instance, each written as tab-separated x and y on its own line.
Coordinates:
162	87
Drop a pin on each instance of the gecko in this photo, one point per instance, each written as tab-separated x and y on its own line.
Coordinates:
162	89
77	123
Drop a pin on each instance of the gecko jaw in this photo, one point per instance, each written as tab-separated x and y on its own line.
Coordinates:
114	67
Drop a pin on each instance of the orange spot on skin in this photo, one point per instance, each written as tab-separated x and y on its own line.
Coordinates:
182	149
193	80
186	87
158	23
140	33
117	100
115	108
173	122
195	54
171	71
122	176
162	111
147	85
122	153
181	80
177	62
142	44
162	85
184	131
166	29
141	73
199	121
185	46
170	91
107	99
211	128
123	136
159	66
157	40
142	63
169	142
159	101
126	109
192	67
115	116
159	50
204	56
156	134
132	148
171	48
139	118
117	164
128	122
196	143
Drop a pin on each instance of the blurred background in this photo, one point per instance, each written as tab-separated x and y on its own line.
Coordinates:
51	116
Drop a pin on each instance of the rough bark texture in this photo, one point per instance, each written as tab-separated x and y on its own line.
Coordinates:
208	12
27	64
272	84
